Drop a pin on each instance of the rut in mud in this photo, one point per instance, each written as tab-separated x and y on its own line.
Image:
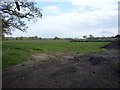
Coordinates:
64	70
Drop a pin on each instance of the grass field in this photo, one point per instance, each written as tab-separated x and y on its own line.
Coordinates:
14	52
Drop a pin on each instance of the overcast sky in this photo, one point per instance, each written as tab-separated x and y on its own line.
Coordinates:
74	18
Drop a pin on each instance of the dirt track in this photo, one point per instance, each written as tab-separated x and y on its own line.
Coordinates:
64	70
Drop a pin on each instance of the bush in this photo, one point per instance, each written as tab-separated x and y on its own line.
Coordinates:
56	38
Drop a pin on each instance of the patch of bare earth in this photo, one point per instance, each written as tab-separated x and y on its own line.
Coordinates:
64	70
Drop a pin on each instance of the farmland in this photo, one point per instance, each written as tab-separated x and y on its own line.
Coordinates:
58	63
14	52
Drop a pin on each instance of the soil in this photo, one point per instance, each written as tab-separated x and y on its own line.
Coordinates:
65	70
113	45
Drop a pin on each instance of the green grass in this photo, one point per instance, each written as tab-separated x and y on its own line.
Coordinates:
14	52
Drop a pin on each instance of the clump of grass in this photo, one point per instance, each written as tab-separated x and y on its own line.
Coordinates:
38	49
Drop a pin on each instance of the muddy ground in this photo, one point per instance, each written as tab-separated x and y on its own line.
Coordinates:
115	45
65	70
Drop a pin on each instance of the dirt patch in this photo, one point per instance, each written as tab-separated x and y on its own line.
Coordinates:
64	70
113	45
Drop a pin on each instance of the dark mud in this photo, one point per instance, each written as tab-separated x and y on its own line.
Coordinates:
115	45
64	70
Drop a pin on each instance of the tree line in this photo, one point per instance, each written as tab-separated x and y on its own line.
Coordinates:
33	38
91	38
22	38
85	38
